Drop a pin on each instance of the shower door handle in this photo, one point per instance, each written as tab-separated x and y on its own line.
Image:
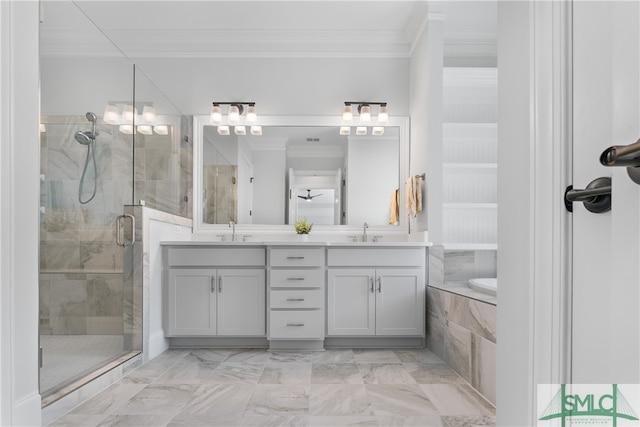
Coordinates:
120	238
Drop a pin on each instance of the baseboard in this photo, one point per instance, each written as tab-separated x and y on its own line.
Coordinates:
158	344
27	411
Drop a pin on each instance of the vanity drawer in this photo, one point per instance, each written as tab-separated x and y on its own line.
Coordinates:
296	325
217	256
306	298
291	278
297	257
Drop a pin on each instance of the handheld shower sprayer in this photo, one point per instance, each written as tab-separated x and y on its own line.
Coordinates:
88	139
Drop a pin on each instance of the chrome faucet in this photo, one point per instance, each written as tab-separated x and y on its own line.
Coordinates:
364	232
232	226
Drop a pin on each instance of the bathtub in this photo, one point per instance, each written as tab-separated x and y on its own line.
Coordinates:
485	285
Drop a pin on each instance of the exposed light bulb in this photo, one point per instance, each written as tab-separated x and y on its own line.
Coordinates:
240	130
347	115
345	130
216	115
361	130
223	130
383	115
256	130
377	130
365	114
111	115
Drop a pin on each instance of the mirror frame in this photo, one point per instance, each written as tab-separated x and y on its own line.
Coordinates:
199	121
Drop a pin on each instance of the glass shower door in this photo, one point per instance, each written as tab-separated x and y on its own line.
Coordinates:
87	176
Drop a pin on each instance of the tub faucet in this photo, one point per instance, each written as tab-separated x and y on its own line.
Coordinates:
364	232
232	226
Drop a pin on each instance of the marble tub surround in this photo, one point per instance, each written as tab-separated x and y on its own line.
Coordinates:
462	332
451	270
154	395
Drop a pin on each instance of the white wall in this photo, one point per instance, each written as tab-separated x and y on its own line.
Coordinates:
281	86
269	173
159	231
19	218
425	108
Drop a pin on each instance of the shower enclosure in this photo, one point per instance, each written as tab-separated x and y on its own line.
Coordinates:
108	139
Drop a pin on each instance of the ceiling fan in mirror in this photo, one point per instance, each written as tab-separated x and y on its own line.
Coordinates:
309	197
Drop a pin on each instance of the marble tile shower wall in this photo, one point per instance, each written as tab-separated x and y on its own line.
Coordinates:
81	284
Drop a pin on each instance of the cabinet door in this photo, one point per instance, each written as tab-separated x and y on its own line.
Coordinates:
191	303
400	302
241	302
351	302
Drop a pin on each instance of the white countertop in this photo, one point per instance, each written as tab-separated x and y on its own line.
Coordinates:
380	244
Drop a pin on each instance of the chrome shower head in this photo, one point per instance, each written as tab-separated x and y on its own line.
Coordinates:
84	138
91	117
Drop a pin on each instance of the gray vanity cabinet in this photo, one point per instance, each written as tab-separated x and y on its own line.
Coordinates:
215	292
363	300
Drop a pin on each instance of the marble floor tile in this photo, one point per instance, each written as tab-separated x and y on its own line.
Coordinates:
148	372
335	373
334	356
418	355
215	404
158	400
269	399
430	374
150	420
206	355
470	421
290	356
187	371
385	373
294	420
327	421
78	420
114	397
457	399
286	373
365	355
248	355
340	400
414	421
240	373
399	399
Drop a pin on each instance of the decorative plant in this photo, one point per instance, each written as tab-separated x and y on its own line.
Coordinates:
303	227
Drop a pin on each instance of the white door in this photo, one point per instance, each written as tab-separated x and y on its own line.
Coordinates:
241	302
400	301
606	246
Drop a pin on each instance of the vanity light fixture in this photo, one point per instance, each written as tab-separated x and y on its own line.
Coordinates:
365	117
124	115
234	118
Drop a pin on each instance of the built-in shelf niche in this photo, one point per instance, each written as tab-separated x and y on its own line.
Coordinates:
470	158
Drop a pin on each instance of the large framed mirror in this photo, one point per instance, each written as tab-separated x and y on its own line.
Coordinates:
300	167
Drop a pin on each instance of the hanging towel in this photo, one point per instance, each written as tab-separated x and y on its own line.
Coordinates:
413	188
394	207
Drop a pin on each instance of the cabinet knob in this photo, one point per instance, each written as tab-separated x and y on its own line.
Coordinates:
213	284
379	284
295	257
295	324
295	299
295	278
